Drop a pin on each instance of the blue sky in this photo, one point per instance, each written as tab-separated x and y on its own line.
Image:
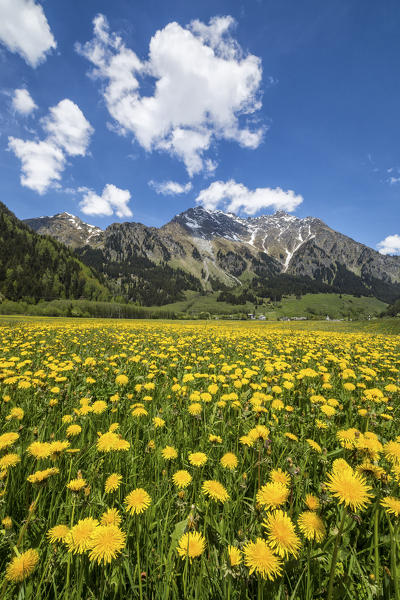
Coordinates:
284	104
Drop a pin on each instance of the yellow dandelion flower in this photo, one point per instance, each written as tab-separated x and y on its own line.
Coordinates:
349	488
73	430
369	468
158	422
229	461
312	502
215	490
391	451
197	459
99	407
110	441
396	471
195	409
139	412
121	444
78	539
111	517
22	566
9	460
57	533
314	445
42	476
259	557
7	522
328	410
137	501
347	437
391	505
280	476
235	556
121	379
39	449
76	485
340	465
246	440
191	545
107	542
272	495
15	413
57	447
112	483
311	526
181	479
169	453
24	385
281	535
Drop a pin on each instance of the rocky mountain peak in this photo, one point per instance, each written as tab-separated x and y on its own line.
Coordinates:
207	224
66	228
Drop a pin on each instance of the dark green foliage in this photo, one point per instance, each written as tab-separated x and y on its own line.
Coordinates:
393	310
326	280
83	308
231	262
196	254
34	266
139	279
286	285
242	298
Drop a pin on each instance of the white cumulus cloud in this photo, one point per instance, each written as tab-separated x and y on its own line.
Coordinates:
43	161
24	29
237	198
204	87
390	245
22	102
112	199
170	188
67	126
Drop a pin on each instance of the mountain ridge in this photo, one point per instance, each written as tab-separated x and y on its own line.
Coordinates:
223	250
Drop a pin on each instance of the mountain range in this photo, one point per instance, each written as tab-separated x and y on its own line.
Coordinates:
202	249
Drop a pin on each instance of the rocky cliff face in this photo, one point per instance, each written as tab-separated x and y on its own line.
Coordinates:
65	228
222	249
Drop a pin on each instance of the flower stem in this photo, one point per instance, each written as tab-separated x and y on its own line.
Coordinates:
376	545
393	559
31	513
138	561
334	556
69	554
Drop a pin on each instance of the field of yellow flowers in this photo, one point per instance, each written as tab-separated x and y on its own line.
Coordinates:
172	461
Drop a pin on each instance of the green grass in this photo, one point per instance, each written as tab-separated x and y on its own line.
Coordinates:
310	305
333	305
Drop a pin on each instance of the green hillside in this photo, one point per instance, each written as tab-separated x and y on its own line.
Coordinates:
312	306
34	266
